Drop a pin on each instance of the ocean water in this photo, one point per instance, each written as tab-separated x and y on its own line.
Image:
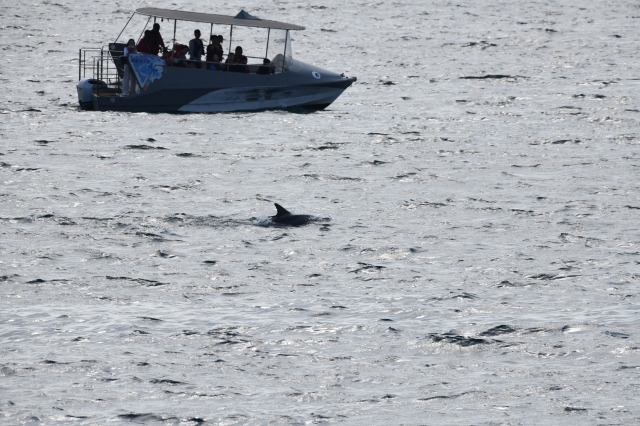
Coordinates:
475	253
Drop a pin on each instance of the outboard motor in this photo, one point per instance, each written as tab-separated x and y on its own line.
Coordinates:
86	87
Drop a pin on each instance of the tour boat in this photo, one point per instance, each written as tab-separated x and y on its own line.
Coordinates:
166	85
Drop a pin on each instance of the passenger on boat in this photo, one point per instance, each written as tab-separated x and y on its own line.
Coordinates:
242	64
214	47
266	67
231	61
234	64
196	48
128	79
215	64
143	45
180	55
155	40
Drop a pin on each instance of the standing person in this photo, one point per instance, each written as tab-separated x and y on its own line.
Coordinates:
128	79
196	48
155	40
214	48
143	44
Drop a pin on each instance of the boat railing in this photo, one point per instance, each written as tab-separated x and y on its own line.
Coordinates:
103	64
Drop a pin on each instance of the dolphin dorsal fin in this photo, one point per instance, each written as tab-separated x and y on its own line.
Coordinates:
281	210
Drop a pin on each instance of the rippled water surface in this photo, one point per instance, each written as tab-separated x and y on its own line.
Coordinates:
473	258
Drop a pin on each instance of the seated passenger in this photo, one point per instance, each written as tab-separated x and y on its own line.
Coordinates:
215	64
231	60
266	67
242	64
180	55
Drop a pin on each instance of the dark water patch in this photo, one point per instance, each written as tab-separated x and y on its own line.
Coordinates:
632	207
148	234
166	382
464	295
456	339
187	155
575	409
165	255
528	166
583	96
315	176
629	367
138	331
509	284
17	219
481	44
143	418
52	362
366	267
498	330
492	77
228	336
525	212
142	281
431	398
178	187
327	146
412	204
178	218
144	147
70	416
617	334
4	278
564	141
210	262
551	277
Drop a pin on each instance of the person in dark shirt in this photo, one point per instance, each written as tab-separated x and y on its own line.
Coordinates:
143	44
155	40
196	48
265	68
214	48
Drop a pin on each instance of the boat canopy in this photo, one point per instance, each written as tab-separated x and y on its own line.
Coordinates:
241	19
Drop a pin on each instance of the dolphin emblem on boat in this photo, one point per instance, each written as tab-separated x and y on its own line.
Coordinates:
285	217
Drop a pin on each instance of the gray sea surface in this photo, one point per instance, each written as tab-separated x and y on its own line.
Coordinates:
474	256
